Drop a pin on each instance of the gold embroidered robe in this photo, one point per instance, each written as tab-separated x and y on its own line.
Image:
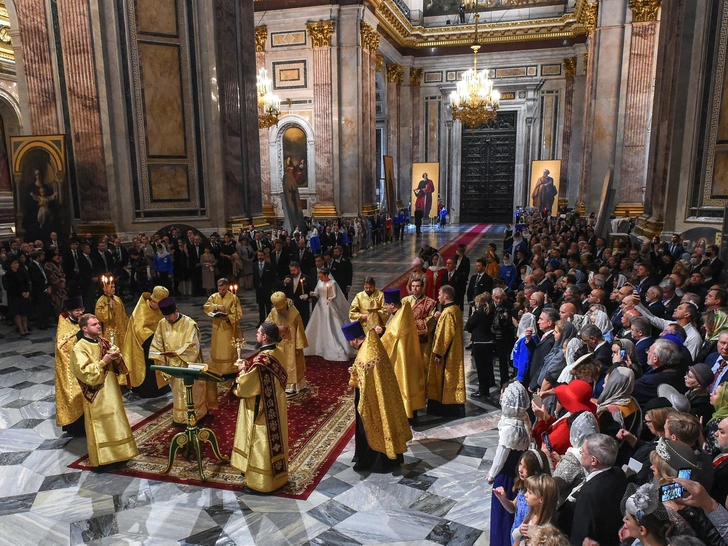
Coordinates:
142	325
223	353
380	403
255	439
112	318
69	401
372	306
108	433
403	348
293	342
182	338
424	312
446	379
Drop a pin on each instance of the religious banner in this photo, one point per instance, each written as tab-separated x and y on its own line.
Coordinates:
543	192
389	185
425	186
42	198
291	201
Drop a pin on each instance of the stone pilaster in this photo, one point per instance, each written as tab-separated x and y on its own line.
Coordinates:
415	81
370	44
261	38
321	33
394	83
639	98
83	110
570	74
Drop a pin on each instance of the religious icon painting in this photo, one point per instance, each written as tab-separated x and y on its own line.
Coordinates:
544	191
294	155
425	188
42	196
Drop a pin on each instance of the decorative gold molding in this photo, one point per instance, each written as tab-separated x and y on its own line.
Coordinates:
586	61
369	38
321	33
644	10
416	76
570	67
395	73
380	62
648	227
632	210
570	25
261	37
368	210
325	211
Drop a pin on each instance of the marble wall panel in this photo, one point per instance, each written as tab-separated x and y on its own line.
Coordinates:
163	102
169	183
157	17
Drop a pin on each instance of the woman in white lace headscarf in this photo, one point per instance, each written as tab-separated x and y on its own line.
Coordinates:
601	320
514	428
569	473
574	350
521	354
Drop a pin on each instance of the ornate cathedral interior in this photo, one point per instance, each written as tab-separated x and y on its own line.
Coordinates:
126	117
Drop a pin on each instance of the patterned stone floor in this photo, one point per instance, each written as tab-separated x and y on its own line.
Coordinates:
439	496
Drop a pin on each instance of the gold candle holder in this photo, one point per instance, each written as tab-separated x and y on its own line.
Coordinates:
112	339
239	343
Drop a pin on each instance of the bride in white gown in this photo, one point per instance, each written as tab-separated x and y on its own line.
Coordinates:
323	332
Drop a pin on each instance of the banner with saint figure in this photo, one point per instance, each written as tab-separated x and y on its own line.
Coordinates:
544	193
425	186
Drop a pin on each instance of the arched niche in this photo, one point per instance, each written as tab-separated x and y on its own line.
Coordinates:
278	158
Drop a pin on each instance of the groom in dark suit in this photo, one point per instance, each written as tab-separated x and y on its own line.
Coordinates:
297	286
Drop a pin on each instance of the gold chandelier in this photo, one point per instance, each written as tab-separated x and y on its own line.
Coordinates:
474	102
269	105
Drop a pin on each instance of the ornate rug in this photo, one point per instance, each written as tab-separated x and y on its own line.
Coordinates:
320	424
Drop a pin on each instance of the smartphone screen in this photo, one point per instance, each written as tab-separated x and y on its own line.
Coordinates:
547	442
622	354
537	399
674	491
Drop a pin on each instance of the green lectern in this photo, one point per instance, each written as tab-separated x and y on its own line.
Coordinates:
192	434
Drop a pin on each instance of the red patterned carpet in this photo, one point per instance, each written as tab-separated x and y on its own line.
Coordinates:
320	423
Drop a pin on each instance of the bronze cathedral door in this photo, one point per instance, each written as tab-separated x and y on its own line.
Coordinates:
488	171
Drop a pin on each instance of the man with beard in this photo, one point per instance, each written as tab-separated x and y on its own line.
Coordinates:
368	306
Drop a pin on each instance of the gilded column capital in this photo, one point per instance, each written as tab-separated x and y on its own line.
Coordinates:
570	67
321	33
416	76
261	37
590	14
586	61
380	62
394	73
644	10
369	38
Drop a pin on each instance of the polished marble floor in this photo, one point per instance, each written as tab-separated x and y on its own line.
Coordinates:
439	496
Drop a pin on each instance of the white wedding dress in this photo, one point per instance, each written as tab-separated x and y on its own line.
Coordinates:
325	338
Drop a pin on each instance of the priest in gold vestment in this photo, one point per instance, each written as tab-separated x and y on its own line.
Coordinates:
108	433
112	315
140	331
446	378
382	429
368	306
69	401
176	342
293	340
424	309
260	450
403	348
225	327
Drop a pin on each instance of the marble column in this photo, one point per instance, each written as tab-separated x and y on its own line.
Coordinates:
638	106
416	98
261	37
321	34
370	43
84	110
664	115
394	83
569	73
39	74
239	113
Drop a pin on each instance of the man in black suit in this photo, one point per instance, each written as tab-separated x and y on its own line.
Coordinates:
670	299
480	282
643	272
595	342
40	290
342	270
304	256
103	261
280	260
641	331
676	248
297	286
663	358
596	508
55	244
328	239
70	263
451	277
87	279
462	262
258	242
546	323
713	261
195	250
264	277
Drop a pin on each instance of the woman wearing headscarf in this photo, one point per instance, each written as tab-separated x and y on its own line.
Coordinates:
617	410
569	473
555	361
719	400
434	276
521	354
419	273
601	320
716	322
624	353
492	265
508	271
698	380
514	437
575	349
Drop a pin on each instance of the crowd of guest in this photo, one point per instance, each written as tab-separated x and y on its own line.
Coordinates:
613	387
